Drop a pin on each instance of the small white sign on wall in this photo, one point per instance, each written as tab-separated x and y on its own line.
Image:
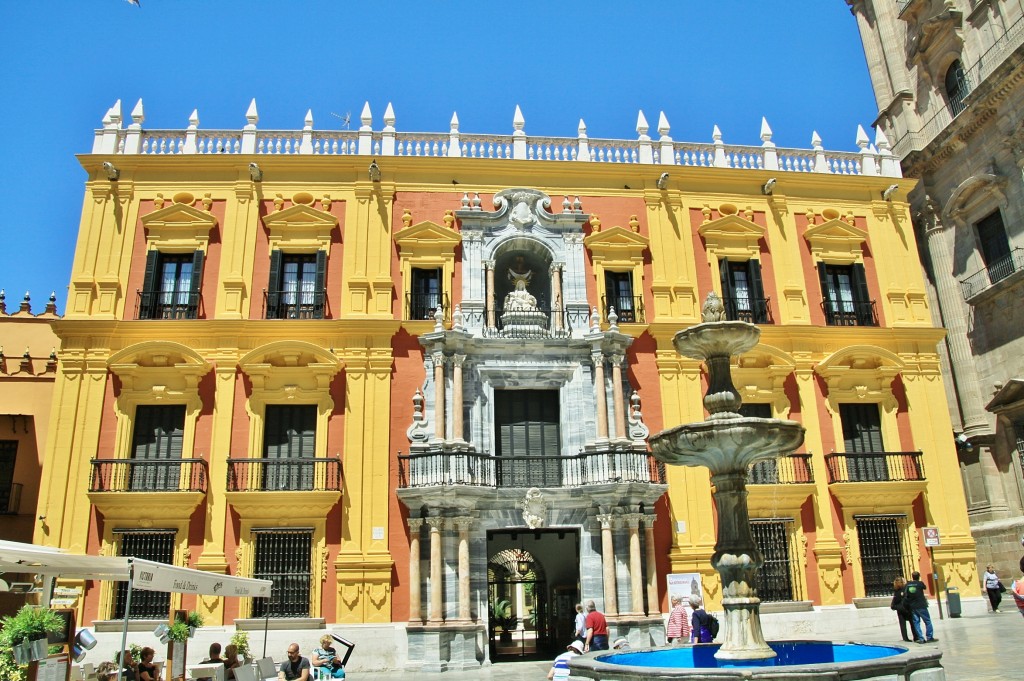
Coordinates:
378	533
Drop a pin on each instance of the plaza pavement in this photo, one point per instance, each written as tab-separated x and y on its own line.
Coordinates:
975	647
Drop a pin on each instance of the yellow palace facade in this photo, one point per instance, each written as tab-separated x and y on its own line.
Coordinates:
411	378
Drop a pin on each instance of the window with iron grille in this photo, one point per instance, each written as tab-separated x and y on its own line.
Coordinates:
289	436
296	285
527	424
883	551
285	556
8	454
156	445
155	545
775	580
618	290
995	246
742	291
171	286
425	293
957	87
862	436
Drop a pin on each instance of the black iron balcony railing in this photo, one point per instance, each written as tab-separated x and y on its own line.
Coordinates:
154	304
10	499
874	467
993	274
630	309
540	323
145	475
752	310
424	305
294	304
284	475
482	470
850	313
793	469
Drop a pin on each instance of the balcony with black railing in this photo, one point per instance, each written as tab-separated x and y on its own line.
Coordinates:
794	469
1003	272
850	313
858	467
156	304
423	306
630	309
751	310
294	304
539	323
284	475
432	469
148	475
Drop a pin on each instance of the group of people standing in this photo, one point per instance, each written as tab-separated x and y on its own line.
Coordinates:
693	627
910	601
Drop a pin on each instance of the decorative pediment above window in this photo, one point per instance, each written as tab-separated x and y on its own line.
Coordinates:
292	369
617	246
760	376
158	371
860	373
732	237
976	196
178	228
427	240
940	33
836	241
300	229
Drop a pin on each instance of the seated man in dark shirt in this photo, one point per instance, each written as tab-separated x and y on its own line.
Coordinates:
296	667
215	655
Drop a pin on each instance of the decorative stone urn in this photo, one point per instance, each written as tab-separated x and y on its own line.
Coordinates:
728	444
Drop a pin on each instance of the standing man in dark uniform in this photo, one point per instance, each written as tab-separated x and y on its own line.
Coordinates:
915	598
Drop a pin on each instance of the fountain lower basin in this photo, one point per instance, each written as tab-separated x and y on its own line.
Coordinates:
794	660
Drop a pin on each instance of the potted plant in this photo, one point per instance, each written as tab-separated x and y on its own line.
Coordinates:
504	618
240	639
178	632
194	620
28	628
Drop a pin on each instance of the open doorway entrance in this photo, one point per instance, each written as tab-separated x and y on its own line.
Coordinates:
533	585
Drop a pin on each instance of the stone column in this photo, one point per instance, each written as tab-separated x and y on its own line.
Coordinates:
600	399
457	362
439	430
607	521
414	569
489	293
653	602
954	317
557	309
620	409
436	614
636	586
463	524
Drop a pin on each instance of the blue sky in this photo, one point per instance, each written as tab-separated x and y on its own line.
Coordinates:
64	62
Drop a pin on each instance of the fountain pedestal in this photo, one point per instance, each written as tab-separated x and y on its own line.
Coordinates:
728	444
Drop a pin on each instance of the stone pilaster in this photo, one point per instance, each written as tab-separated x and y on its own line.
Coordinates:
439	398
457	427
653	602
608	521
636	586
463	524
415	603
617	400
436	614
599	394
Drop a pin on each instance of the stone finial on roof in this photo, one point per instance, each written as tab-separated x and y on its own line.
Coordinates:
365	117
51	362
716	134
51	304
454	123
389	116
663	126
138	114
862	138
518	121
641	124
307	122
816	140
3	301
252	116
114	114
26	362
581	129
193	119
766	132
881	141
26	304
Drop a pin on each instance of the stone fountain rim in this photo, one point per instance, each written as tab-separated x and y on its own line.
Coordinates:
720	423
910	659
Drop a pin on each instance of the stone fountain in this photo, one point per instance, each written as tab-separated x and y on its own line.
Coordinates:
728	444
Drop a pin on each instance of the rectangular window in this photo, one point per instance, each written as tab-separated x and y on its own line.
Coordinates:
155	545
882	552
8	455
862	437
742	291
425	293
171	286
995	247
775	580
289	437
528	438
285	556
845	297
618	292
296	285
157	439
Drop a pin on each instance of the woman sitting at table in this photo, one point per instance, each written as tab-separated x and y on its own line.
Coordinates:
230	661
326	658
147	670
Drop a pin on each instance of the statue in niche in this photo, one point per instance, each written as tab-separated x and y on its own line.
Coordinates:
520	276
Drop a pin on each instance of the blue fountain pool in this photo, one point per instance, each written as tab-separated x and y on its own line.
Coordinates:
788	653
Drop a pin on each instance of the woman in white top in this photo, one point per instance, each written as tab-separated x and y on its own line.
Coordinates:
994	587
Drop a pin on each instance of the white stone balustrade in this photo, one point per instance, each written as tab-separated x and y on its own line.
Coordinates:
113	138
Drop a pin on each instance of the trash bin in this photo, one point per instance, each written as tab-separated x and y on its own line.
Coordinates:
953	601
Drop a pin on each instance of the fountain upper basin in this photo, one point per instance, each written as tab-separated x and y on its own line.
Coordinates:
727	443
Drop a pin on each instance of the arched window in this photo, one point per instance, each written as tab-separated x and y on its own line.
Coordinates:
957	87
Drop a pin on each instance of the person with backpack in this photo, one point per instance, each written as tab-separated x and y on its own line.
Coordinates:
704	627
917	601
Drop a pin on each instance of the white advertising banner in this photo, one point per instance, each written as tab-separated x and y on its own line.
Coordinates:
683	584
151	576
